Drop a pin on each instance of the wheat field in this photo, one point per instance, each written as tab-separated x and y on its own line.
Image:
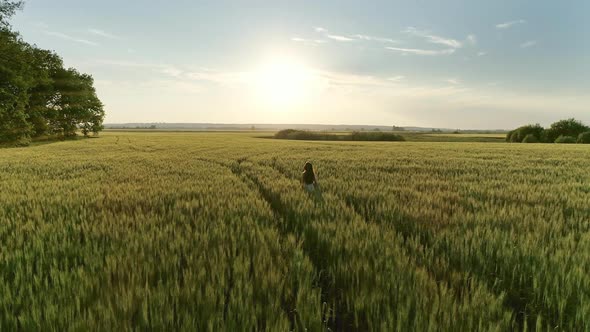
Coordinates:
212	231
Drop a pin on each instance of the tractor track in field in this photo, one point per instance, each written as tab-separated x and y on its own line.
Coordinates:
277	210
288	224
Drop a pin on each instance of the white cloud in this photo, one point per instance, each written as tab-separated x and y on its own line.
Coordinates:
421	51
374	38
482	53
327	34
355	37
507	25
102	33
182	75
453	81
472	39
70	38
339	38
433	38
529	43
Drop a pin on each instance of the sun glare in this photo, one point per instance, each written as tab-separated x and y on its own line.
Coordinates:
283	82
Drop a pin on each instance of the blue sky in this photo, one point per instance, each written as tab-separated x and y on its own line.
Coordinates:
455	64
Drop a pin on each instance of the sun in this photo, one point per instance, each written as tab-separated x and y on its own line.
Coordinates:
283	82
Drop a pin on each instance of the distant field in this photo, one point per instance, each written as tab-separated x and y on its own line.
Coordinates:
502	136
448	137
211	231
408	135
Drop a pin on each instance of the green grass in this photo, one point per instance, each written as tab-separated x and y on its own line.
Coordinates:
211	231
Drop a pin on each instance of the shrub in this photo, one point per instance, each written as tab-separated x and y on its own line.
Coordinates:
284	133
565	140
298	134
375	136
354	136
530	138
584	138
518	134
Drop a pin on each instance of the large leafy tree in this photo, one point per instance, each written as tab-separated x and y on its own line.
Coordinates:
38	96
43	95
75	104
570	127
14	84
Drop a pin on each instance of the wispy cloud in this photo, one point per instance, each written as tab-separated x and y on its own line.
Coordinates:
482	53
327	34
433	38
375	38
179	73
422	51
103	33
472	39
529	43
393	86
70	38
353	37
453	81
340	38
507	25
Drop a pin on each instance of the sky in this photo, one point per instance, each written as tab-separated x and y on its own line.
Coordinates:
451	64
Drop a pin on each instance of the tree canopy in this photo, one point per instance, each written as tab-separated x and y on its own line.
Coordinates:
569	127
559	132
38	95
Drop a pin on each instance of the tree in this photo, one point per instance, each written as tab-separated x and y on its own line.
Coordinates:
530	138
14	84
38	96
75	104
570	127
584	138
7	10
43	95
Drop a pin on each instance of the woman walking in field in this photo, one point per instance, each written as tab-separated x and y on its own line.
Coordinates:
308	179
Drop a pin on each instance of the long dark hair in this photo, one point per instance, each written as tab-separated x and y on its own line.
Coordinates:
308	173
